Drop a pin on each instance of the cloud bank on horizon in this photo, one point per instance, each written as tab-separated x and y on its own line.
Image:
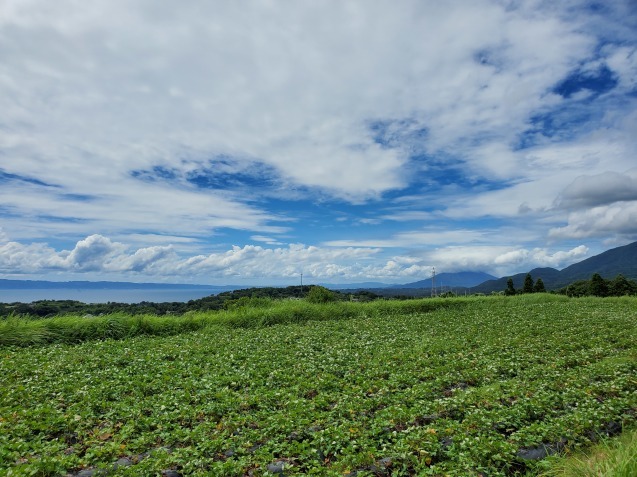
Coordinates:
249	142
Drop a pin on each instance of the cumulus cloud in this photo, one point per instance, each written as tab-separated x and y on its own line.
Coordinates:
92	253
502	259
97	253
16	258
257	261
601	205
143	260
600	189
619	218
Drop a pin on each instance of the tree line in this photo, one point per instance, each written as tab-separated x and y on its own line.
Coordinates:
598	286
528	287
595	286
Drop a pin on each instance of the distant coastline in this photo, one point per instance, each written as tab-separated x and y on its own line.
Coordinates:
27	291
113	295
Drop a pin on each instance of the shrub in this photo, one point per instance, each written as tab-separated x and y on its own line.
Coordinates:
319	294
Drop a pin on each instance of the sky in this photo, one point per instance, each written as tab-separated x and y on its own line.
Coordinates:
247	143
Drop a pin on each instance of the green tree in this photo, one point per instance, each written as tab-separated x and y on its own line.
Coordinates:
620	286
528	284
539	286
320	294
598	285
576	289
510	288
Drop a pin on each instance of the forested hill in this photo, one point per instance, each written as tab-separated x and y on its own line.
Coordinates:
617	261
609	264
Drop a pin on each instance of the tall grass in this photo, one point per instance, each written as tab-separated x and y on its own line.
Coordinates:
19	331
611	458
27	331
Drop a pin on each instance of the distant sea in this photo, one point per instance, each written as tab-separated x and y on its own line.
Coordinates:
106	295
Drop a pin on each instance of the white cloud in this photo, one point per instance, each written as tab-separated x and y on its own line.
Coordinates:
619	218
92	253
292	86
97	253
264	239
600	189
416	238
409	215
623	62
501	260
547	170
601	205
16	258
144	260
255	263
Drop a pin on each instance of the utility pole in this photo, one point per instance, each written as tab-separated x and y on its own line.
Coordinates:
433	281
301	281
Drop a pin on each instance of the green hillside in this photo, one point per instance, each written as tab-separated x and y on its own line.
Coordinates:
609	264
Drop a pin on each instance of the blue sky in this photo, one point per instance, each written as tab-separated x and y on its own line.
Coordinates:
249	142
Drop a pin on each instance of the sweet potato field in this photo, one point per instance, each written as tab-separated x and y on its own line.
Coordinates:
494	386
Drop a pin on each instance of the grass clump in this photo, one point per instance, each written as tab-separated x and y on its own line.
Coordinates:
610	458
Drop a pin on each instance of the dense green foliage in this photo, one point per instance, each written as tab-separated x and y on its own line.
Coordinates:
539	286
321	295
598	286
424	387
528	284
528	287
510	290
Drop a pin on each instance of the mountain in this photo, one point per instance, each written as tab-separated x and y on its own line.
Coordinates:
446	280
609	264
550	277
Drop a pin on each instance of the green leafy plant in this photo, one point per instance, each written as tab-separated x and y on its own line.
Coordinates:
498	386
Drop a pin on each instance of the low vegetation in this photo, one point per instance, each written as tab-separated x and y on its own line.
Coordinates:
482	386
245	312
610	458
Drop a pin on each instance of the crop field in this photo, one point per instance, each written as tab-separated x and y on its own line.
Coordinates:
493	386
